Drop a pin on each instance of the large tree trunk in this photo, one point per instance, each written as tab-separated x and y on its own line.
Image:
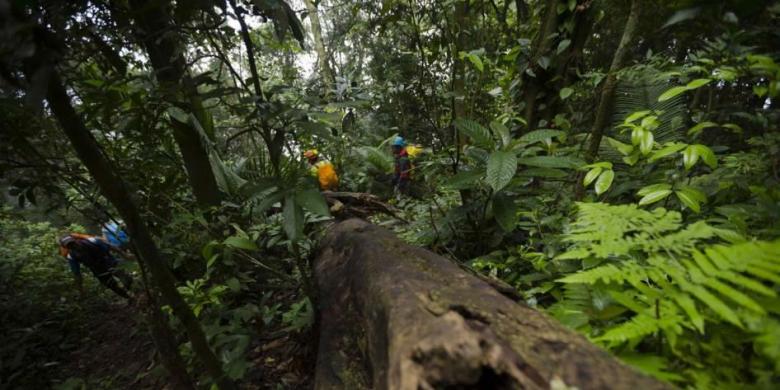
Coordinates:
158	35
393	316
608	90
322	55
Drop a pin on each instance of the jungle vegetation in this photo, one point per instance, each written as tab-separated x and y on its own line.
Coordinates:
615	162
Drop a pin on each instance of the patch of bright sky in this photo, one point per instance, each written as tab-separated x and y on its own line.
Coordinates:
305	60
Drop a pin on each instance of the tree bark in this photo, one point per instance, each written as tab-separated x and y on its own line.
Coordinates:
115	190
158	35
393	316
534	85
326	73
460	17
608	90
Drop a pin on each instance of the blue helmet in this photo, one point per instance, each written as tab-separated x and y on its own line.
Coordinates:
399	141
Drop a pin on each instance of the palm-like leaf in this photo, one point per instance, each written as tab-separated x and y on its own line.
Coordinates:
638	90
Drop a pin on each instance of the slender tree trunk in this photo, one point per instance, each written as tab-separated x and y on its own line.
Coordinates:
115	190
164	338
158	35
608	90
322	55
458	64
533	85
566	62
274	140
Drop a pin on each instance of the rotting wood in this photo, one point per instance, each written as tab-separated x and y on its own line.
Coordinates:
346	205
393	316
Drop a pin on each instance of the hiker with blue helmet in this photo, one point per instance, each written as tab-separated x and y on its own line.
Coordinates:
114	233
403	166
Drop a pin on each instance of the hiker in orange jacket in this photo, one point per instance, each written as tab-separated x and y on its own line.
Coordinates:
323	170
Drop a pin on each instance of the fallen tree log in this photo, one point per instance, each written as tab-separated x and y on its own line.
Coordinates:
393	316
345	205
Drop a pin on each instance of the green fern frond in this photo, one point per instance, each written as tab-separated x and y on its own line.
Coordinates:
635	329
378	159
654	266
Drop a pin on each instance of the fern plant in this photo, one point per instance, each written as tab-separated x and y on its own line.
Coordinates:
661	283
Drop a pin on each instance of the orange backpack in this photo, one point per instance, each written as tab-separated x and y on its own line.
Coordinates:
326	175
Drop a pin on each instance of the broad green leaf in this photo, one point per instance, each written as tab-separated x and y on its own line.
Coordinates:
707	155
505	211
698	83
501	132
624	149
591	176
541	135
565	93
551	162
241	243
689	202
671	93
464	179
694	193
667	150
563	45
701	126
501	168
653	188
600	164
312	200
650	122
646	142
233	284
654	196
636	135
637	115
604	181
690	156
478	133
476	61
543	62
632	158
735	128
682	15
293	218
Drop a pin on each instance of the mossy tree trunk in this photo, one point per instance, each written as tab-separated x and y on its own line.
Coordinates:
393	316
326	74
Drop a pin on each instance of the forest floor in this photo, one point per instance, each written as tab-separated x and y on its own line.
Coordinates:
117	352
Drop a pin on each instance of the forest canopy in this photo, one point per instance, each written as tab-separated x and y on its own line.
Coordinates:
612	164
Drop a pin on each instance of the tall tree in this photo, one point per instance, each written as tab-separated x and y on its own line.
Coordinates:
322	55
608	90
158	34
38	63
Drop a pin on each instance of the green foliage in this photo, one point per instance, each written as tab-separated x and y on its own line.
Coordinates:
501	168
670	279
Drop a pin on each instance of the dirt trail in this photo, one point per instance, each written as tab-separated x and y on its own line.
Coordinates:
115	352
